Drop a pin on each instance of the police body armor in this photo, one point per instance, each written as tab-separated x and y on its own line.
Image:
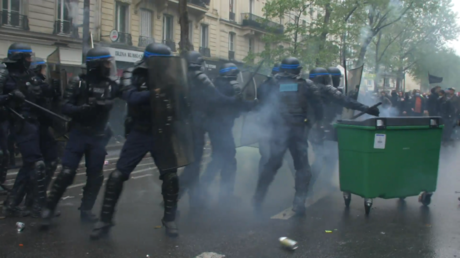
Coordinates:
171	112
136	76
98	95
292	103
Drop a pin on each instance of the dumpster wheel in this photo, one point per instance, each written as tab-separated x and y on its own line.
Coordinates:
425	198
347	199
367	205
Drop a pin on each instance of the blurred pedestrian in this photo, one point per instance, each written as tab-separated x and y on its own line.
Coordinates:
432	102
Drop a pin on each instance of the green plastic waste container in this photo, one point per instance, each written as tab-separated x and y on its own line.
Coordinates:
389	158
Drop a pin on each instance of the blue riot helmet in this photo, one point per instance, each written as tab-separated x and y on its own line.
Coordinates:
100	63
229	70
154	49
19	56
38	66
276	69
290	65
336	76
320	75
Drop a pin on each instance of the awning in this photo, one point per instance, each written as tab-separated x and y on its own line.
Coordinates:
69	56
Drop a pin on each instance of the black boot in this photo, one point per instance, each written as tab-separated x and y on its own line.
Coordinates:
170	192
50	170
39	190
90	192
63	180
11	204
113	190
3	171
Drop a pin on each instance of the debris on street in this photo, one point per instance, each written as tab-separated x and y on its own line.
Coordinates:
210	255
20	226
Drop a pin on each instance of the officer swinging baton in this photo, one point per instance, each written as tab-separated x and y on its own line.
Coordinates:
362	113
46	110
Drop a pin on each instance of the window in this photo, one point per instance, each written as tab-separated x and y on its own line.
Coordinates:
11	12
204	35
251	6
231	41
231	14
64	21
122	17
190	31
146	23
168	33
251	45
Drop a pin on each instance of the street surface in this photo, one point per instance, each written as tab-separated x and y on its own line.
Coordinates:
394	229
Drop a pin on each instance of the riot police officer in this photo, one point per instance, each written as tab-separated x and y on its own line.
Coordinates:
289	98
140	140
205	98
221	123
25	129
87	100
4	132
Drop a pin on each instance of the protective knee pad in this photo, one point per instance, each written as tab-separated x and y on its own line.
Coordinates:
65	178
40	167
51	168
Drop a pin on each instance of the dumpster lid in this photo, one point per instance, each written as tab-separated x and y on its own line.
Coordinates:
396	121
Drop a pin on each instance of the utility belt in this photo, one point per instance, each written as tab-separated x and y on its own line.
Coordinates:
131	124
89	130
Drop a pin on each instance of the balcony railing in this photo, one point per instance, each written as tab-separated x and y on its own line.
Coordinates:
63	27
14	20
231	55
260	23
171	44
125	38
231	16
144	41
205	51
201	3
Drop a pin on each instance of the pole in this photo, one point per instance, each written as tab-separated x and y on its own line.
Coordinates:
85	39
345	62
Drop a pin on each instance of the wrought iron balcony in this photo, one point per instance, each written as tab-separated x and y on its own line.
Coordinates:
171	44
201	3
260	23
205	51
144	41
63	27
125	38
231	16
231	55
14	20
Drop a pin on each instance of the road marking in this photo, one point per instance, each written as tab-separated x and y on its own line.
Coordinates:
136	177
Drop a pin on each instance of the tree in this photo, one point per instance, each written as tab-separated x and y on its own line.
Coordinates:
184	44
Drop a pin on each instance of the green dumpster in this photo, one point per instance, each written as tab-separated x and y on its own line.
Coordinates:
389	158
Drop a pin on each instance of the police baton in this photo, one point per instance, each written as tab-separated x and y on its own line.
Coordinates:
15	113
362	113
46	111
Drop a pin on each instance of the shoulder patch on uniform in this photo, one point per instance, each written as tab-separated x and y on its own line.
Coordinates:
289	87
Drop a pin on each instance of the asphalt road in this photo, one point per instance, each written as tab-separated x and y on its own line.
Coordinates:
231	227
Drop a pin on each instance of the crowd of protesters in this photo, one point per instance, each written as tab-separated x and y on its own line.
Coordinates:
436	102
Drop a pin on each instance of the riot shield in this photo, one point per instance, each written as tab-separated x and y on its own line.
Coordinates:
56	73
250	125
353	79
171	116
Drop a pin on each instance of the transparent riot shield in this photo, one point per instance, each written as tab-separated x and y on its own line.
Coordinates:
353	79
171	112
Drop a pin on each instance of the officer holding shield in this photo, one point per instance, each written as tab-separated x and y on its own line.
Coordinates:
155	90
88	100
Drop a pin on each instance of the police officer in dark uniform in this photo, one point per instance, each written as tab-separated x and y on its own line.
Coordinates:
220	133
290	97
48	143
25	129
87	100
139	141
205	98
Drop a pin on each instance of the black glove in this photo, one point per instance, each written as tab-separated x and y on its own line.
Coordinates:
17	95
56	84
374	111
85	108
